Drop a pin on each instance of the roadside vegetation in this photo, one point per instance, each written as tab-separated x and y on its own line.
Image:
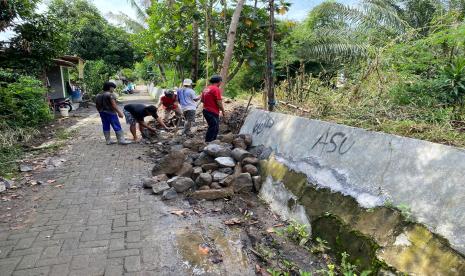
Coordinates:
66	28
395	66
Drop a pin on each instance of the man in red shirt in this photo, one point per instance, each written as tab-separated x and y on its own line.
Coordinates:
170	103
212	105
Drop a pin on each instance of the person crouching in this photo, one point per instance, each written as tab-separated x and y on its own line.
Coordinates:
135	114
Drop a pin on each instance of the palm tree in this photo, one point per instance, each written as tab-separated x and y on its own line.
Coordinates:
342	31
138	24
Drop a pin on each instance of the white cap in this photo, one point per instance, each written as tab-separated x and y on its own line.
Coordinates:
187	82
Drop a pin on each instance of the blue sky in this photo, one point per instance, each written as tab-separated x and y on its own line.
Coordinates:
298	10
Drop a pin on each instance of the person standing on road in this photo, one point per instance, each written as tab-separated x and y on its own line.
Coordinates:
187	99
135	114
212	105
109	113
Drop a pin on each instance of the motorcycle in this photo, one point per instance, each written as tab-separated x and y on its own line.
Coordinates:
56	104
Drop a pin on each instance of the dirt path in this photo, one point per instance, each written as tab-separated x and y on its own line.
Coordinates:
96	220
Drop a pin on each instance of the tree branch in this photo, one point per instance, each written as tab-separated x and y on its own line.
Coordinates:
236	70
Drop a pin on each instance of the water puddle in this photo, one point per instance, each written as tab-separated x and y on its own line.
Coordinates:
212	252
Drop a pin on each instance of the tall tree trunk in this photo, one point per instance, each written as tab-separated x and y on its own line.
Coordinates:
228	54
162	72
215	54
269	60
195	49
208	8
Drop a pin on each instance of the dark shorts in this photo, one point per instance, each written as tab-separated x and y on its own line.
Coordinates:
189	115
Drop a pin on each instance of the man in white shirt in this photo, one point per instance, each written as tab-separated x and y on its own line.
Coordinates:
187	99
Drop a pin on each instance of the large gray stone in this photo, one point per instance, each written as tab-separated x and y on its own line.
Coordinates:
25	168
169	164
160	187
243	183
212	194
257	183
181	184
204	179
227	138
169	194
148	182
210	167
196	172
185	171
226	170
195	144
215	150
226	162
218	176
238	154
250	169
239	143
203	159
372	167
250	160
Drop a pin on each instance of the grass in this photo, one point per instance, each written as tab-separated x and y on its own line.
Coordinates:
11	146
374	109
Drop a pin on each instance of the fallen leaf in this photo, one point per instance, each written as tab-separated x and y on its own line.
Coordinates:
180	213
270	230
197	212
217	210
279	225
232	221
50	181
59	186
203	249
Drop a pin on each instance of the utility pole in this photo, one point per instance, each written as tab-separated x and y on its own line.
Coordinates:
269	60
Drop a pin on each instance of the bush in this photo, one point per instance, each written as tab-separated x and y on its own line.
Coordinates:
96	73
23	103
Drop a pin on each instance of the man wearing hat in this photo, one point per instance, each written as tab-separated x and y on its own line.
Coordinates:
187	99
212	105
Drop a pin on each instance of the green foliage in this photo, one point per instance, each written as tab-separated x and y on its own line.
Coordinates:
96	73
23	103
128	73
454	78
320	246
11	9
406	212
298	233
90	36
39	39
147	70
348	269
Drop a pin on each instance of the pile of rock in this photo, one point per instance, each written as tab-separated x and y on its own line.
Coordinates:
207	171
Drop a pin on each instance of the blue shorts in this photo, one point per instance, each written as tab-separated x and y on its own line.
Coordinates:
130	120
109	119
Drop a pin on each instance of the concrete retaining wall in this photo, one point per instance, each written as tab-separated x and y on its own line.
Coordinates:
376	169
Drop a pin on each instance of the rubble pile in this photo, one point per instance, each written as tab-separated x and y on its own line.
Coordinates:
207	171
236	118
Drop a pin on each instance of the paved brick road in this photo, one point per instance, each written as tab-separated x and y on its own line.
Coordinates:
97	224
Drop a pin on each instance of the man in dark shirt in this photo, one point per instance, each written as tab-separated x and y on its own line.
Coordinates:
135	114
109	113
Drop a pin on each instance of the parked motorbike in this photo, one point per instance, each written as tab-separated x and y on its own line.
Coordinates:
56	104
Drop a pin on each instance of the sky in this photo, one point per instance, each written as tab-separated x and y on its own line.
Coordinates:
298	10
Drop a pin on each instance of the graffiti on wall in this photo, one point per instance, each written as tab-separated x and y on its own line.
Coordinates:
337	142
264	122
